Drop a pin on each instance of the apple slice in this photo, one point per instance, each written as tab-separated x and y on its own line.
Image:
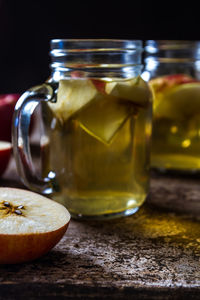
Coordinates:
135	89
162	83
104	116
30	225
73	94
179	102
5	153
99	114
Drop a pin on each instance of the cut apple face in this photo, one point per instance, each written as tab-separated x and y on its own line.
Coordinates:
5	153
30	225
135	90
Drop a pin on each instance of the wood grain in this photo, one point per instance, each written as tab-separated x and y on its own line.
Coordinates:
152	254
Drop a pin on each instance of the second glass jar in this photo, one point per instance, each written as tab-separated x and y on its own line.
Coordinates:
173	71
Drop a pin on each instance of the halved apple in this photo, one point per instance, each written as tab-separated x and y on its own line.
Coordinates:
5	153
30	225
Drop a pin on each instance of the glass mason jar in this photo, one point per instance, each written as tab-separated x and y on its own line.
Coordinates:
173	71
96	129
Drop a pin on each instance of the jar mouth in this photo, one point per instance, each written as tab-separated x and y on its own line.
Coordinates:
97	57
72	45
152	46
172	50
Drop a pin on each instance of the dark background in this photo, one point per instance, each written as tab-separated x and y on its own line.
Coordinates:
26	27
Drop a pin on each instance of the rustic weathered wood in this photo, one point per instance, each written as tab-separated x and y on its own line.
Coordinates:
152	254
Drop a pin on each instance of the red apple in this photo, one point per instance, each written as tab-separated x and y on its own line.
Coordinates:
7	105
30	225
5	153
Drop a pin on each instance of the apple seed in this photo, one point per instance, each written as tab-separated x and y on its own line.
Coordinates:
18	212
21	207
8	208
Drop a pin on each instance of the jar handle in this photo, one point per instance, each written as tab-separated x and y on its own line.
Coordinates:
20	137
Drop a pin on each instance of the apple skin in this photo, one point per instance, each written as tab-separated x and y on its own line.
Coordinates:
20	248
100	85
179	78
162	83
7	106
5	154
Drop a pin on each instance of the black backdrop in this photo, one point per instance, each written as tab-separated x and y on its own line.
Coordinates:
26	27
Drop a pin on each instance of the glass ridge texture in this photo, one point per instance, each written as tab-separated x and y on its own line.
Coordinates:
95	143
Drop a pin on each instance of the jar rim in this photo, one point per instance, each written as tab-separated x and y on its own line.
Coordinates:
83	44
97	57
170	44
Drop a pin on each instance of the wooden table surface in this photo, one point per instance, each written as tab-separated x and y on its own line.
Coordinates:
154	254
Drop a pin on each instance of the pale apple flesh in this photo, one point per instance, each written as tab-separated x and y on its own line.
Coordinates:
30	225
72	96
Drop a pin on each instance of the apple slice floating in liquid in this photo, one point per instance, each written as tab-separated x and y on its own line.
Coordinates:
135	90
104	117
101	107
73	95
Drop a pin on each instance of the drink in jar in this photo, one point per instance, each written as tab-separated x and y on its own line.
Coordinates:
96	142
176	122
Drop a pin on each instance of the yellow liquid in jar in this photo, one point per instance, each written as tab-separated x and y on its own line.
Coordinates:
176	127
101	167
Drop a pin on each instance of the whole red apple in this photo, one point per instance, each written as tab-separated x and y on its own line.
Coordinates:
7	105
5	153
